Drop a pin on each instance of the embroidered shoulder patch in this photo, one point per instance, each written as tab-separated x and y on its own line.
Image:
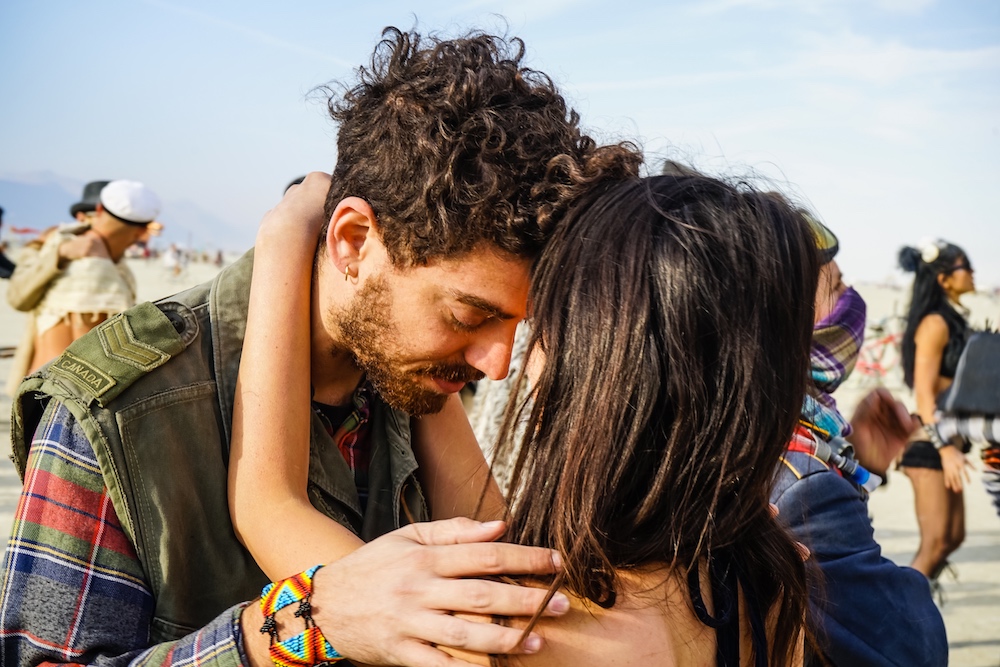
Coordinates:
87	376
119	343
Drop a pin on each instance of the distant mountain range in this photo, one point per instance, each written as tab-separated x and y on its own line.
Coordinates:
42	199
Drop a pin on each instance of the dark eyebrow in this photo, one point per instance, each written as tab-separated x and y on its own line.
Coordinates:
479	303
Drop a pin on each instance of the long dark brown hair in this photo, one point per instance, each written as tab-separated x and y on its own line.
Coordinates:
675	315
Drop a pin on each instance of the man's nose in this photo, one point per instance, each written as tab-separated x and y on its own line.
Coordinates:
490	352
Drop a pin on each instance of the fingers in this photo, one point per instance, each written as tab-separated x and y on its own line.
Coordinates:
773	508
907	420
953	478
468	560
453	531
465	549
479	596
317	179
879	394
954	482
479	636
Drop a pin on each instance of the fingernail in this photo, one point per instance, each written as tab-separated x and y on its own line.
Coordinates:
532	644
492	525
557	561
559	603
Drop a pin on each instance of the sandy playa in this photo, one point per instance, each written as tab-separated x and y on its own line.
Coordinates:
972	607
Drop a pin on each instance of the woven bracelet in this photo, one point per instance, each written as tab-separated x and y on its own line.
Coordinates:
308	648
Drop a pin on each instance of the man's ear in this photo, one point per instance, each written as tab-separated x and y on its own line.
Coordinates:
352	225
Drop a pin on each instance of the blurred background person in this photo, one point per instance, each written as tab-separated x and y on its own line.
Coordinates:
73	278
936	333
39	263
84	210
6	266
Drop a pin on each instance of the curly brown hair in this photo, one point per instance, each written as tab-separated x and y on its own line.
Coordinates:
453	143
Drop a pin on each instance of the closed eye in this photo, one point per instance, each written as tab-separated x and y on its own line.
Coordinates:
468	324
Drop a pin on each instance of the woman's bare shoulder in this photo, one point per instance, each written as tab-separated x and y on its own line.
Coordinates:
652	624
932	331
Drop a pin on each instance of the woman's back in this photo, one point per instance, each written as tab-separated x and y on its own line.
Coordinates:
652	623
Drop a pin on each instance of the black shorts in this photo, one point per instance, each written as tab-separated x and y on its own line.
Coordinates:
921	454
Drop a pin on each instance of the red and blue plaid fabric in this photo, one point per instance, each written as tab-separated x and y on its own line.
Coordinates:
73	590
351	436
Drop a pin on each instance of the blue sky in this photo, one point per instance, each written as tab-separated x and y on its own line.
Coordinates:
881	115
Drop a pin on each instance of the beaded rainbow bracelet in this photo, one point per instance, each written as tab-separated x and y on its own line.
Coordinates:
308	648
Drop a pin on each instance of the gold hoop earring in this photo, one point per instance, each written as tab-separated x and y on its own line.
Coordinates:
347	273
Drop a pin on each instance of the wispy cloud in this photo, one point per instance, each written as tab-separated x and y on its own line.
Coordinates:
865	59
533	10
904	6
252	33
845	56
812	7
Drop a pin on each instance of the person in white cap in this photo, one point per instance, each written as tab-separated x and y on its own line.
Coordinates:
86	290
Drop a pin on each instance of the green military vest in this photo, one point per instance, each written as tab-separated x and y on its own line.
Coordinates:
153	389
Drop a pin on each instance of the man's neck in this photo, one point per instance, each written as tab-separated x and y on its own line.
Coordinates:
114	243
334	373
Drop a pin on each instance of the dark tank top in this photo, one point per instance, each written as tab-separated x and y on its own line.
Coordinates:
958	335
725	577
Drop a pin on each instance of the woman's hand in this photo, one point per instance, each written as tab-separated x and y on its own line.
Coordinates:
955	466
296	221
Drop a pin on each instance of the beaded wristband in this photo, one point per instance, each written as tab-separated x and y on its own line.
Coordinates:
309	647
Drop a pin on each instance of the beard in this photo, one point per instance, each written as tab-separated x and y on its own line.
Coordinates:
368	331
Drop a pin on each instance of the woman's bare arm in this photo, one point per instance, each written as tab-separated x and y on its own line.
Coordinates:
930	340
453	471
269	457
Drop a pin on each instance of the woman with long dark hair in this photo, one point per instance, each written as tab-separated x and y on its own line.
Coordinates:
936	332
671	329
674	316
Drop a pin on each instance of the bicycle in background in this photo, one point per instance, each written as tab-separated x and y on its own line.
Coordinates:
880	353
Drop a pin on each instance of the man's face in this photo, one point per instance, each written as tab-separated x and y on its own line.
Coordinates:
421	333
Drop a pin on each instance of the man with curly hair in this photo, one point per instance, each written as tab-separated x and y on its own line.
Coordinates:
454	163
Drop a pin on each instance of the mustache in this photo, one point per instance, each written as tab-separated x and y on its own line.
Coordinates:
452	372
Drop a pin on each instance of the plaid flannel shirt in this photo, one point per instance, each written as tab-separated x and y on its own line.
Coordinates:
73	590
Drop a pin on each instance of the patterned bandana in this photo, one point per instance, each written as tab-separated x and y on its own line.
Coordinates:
835	347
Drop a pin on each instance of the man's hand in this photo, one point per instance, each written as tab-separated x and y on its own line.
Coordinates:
881	426
955	466
82	245
390	602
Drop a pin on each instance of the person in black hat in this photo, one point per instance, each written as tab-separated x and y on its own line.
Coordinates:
37	269
71	279
83	210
